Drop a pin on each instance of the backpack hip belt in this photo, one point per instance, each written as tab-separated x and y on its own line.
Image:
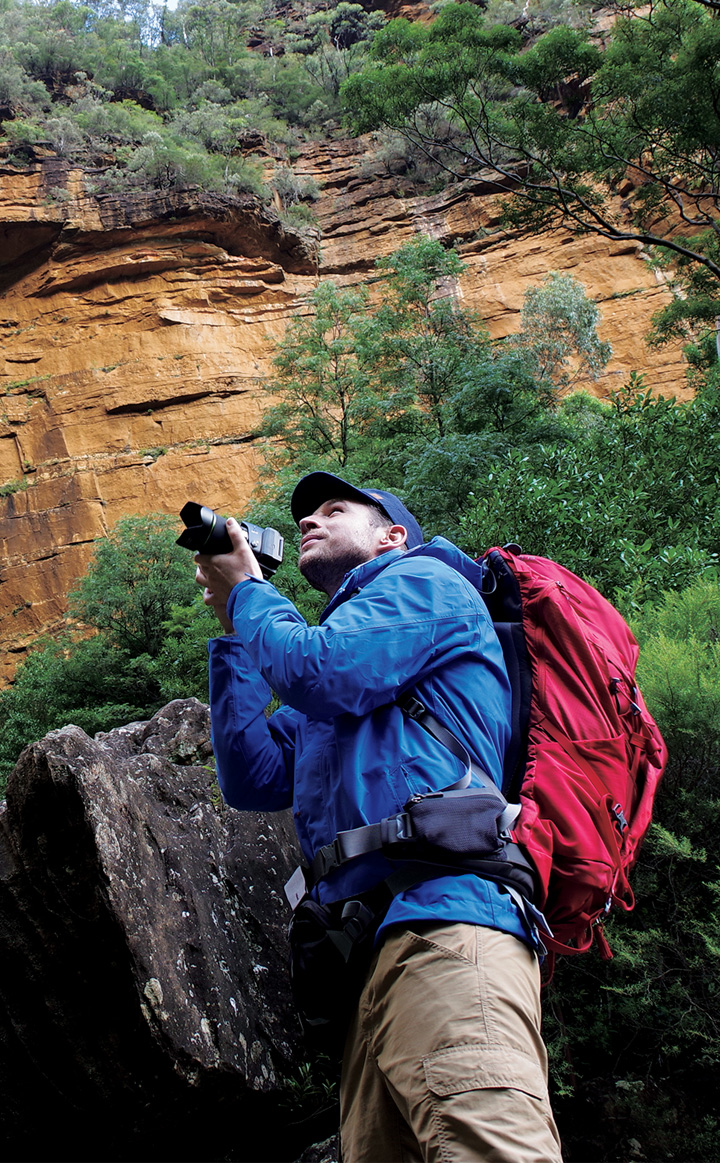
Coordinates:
459	829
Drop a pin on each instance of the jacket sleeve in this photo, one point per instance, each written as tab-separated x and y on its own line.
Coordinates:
417	616
254	755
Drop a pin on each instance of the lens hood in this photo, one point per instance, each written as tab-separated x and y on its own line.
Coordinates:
205	532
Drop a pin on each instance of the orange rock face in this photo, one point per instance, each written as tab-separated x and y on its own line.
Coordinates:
137	334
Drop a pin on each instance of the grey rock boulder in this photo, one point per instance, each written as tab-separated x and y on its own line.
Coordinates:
143	955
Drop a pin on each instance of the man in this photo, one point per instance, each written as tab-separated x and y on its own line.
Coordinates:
444	1059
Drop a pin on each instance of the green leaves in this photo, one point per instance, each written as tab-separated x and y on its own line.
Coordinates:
322	379
562	123
631	502
136	576
355	382
561	53
127	652
407	391
558	322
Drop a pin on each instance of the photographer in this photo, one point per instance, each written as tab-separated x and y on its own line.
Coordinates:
443	1059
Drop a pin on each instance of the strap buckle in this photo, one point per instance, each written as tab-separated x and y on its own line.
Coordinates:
620	818
413	707
328	857
397	828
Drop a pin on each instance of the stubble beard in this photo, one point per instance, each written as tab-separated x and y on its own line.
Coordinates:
326	573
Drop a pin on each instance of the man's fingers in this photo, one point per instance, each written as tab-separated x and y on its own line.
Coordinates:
236	533
221	571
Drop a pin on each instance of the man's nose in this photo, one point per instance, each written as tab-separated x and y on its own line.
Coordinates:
307	523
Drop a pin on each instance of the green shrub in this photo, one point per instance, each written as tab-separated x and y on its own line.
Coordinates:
85	682
17	89
136	576
140	651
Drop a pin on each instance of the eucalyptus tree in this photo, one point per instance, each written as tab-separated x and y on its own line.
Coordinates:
622	143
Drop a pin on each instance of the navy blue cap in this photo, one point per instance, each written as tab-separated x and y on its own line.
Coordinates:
317	487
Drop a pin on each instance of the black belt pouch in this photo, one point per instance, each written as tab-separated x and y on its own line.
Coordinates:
331	947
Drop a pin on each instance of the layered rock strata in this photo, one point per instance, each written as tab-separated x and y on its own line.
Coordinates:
138	331
136	338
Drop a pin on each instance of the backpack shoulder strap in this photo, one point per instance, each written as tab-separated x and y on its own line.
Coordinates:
414	709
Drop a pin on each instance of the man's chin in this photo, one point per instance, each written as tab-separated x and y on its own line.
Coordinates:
313	568
307	559
325	573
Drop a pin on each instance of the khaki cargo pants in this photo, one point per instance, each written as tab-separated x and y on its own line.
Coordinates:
444	1060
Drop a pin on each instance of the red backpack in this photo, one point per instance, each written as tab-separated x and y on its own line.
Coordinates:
586	757
584	762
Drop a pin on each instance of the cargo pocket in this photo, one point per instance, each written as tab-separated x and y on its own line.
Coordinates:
489	1103
473	1067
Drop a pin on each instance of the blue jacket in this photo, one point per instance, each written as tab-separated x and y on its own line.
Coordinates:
340	750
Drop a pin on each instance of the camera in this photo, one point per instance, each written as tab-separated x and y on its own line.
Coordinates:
206	533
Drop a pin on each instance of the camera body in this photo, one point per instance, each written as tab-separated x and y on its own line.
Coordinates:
206	532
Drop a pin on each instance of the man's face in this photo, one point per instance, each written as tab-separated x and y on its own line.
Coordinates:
338	536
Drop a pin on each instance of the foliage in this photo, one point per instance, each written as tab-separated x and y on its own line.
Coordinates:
422	341
181	665
136	576
161	98
141	650
335	43
322	382
560	122
406	390
17	89
657	531
15	486
557	319
68	680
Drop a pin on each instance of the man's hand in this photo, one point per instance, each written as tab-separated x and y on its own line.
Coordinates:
219	573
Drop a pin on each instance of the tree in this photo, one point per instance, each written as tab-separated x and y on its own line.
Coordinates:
181	666
627	497
71	680
406	389
353	376
424	340
135	578
335	43
122	662
559	322
321	382
473	97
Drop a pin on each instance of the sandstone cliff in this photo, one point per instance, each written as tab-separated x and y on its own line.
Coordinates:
137	332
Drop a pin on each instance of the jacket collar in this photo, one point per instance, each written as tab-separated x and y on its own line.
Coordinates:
438	547
358	577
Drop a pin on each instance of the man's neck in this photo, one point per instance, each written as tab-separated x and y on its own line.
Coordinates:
358	577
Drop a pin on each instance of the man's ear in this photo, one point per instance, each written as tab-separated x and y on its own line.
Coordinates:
394	537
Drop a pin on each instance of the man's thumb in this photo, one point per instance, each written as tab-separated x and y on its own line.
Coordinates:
235	532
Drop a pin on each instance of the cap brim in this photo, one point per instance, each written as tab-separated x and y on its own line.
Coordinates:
313	490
